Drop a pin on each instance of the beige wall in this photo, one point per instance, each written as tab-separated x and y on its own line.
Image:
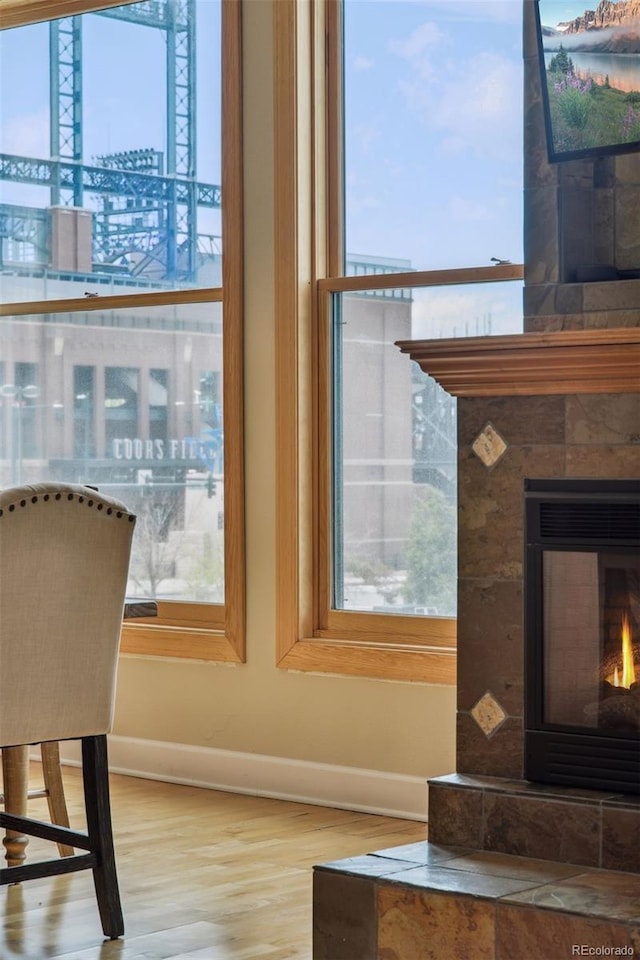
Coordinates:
256	708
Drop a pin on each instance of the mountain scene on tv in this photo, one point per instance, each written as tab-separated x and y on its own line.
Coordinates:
592	66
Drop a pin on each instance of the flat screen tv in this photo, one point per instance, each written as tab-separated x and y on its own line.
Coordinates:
590	72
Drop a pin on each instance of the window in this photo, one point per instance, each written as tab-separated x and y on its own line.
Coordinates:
158	405
121	391
26	422
84	442
394	466
396	173
121	265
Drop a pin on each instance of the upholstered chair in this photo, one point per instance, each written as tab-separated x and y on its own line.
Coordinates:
64	559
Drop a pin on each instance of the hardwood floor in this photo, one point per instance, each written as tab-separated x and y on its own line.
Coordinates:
204	875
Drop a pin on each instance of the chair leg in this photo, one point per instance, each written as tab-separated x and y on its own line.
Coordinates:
52	776
95	775
15	773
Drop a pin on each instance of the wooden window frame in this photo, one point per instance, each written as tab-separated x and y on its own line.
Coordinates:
311	636
187	630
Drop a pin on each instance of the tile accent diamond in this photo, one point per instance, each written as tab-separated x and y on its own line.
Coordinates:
488	714
489	445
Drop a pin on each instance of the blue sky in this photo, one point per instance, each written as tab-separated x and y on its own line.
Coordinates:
434	130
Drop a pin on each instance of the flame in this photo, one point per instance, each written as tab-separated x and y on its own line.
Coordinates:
628	668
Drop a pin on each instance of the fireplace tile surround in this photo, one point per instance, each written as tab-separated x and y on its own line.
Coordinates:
487	804
554	437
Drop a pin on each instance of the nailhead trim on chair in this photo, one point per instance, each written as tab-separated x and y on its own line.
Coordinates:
71	496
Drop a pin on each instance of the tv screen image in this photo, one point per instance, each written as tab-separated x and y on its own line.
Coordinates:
590	72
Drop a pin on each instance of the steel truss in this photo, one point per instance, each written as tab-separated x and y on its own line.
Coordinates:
147	200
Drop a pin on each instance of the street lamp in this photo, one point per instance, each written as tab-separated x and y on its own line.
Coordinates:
18	395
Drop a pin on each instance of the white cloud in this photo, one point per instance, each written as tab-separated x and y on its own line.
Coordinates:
450	312
480	103
424	37
364	135
484	11
360	195
474	104
453	145
471	101
363	63
463	209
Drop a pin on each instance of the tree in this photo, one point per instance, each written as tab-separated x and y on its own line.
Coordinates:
206	574
431	553
154	551
176	548
561	62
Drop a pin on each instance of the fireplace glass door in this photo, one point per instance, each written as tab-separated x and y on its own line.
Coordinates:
582	633
591	640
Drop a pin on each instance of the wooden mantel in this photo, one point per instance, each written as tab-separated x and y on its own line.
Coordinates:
533	364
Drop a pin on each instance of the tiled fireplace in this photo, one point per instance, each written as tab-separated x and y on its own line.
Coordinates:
560	436
488	804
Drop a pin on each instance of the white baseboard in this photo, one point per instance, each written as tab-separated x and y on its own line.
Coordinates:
346	788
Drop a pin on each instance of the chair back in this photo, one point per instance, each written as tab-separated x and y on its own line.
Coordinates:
64	559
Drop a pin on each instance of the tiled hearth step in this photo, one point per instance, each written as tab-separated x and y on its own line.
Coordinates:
567	824
428	902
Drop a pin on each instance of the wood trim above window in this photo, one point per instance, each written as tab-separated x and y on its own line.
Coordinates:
17	13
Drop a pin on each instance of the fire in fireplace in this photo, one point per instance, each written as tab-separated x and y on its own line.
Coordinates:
582	633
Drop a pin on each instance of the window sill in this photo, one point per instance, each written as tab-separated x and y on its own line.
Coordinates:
183	643
382	661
